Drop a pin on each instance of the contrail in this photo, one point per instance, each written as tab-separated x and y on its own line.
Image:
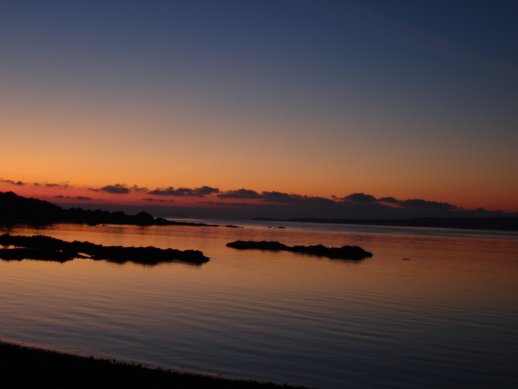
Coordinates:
469	55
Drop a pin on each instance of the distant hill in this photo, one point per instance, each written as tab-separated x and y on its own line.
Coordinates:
18	209
503	223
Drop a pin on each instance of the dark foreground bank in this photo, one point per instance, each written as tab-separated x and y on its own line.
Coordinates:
25	367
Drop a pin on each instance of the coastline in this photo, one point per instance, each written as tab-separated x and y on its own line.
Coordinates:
501	223
24	367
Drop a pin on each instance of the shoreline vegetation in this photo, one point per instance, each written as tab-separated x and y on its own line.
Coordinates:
345	252
500	223
28	367
16	209
45	248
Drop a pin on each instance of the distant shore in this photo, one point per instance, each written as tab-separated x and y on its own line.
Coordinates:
28	367
16	209
470	223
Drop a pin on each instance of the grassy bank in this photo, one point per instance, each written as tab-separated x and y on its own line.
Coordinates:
27	367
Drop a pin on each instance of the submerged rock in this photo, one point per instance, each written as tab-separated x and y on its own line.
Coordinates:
344	252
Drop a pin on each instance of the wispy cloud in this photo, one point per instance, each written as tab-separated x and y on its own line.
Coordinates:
12	182
81	198
39	184
53	185
153	200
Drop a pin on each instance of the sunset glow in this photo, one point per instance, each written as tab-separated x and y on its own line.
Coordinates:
364	101
248	194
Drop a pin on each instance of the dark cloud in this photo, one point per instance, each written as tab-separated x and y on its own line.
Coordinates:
360	198
419	204
356	205
272	197
182	192
275	204
248	203
119	189
12	182
116	189
139	189
290	198
411	204
240	194
82	198
387	200
280	197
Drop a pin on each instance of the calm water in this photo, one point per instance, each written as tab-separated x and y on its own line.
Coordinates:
447	317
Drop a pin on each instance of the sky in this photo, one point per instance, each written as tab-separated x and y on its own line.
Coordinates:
315	99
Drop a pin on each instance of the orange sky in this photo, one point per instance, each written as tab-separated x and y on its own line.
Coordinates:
111	144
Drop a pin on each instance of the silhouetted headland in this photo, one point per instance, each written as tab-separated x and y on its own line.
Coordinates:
18	209
344	252
504	223
39	247
27	367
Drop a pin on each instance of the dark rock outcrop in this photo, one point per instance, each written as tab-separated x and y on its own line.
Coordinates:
344	252
39	247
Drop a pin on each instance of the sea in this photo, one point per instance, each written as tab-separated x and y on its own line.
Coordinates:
433	308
